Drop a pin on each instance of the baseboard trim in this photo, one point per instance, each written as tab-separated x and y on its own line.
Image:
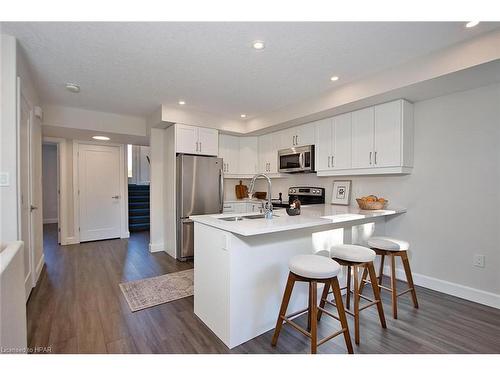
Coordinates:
71	241
447	287
155	247
39	268
50	221
126	234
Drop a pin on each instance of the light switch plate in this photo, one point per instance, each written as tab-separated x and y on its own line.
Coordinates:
4	179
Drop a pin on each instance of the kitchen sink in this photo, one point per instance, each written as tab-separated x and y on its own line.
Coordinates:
249	217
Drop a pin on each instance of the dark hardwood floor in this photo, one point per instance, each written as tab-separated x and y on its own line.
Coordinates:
77	307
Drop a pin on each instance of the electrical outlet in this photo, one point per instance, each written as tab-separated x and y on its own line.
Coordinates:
478	260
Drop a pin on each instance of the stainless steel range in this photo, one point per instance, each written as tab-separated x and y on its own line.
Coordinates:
305	194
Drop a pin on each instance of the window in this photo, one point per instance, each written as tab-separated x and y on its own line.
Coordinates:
129	160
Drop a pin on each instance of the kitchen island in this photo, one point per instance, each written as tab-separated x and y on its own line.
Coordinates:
241	262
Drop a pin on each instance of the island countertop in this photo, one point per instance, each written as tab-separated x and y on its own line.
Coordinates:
311	216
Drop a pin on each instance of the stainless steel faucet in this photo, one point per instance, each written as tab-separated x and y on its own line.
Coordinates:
269	207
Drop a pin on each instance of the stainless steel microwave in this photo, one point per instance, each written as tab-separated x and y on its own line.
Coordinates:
296	159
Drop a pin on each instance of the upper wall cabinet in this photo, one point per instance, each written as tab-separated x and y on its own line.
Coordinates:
269	144
298	136
333	143
196	140
379	140
239	154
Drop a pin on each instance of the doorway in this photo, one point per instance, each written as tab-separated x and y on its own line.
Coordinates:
138	171
50	186
100	193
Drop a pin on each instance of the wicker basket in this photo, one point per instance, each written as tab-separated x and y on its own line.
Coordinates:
365	205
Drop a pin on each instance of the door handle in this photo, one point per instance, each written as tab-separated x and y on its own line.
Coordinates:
370	158
329	162
115	197
375	157
296	140
200	146
33	208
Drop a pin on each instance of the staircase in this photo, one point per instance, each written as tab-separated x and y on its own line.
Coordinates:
138	207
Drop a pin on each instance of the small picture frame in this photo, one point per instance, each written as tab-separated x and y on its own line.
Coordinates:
341	193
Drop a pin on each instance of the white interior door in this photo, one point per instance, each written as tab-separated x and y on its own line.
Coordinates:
25	191
99	174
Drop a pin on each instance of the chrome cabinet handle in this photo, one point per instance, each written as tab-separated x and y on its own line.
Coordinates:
196	146
200	146
370	158
328	162
332	162
375	157
296	140
115	197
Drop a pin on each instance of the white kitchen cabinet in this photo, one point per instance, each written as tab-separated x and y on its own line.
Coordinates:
342	142
387	142
208	140
302	135
323	144
248	155
362	138
229	149
240	155
373	140
333	143
196	140
269	145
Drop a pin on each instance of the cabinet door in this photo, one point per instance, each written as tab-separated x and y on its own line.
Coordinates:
304	134
273	152
323	142
186	139
342	142
208	141
388	135
248	155
287	138
229	151
265	152
362	138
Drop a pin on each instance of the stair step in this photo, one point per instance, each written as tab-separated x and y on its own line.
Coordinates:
137	205
144	198
134	193
138	212
138	187
138	219
138	227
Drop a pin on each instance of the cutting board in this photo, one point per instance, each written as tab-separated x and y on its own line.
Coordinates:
241	191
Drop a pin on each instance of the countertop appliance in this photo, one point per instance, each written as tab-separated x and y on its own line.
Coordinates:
305	194
200	191
296	159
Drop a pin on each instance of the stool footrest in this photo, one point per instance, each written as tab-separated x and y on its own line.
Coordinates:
296	326
406	291
322	341
328	313
296	314
368	305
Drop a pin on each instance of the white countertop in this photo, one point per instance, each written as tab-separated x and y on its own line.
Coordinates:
245	200
311	216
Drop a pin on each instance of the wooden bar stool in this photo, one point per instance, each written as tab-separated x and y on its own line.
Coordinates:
356	257
387	246
313	269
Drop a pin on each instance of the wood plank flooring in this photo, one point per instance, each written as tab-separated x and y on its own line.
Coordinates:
77	307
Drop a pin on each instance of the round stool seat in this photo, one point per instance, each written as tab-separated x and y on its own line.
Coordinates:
388	243
314	266
353	253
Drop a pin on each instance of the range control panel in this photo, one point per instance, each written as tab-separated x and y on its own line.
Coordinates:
308	191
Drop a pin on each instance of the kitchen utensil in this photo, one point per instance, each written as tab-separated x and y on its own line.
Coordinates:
241	191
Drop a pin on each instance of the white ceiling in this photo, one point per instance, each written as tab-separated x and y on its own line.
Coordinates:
133	68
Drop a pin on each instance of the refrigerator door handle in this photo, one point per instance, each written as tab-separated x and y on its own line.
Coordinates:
221	190
186	221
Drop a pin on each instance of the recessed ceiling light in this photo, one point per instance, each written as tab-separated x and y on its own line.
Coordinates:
258	44
101	138
334	78
471	24
243	115
182	102
73	87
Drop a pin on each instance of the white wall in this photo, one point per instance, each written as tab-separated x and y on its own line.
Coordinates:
452	195
8	139
49	183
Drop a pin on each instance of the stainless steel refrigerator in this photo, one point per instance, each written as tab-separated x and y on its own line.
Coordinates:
200	191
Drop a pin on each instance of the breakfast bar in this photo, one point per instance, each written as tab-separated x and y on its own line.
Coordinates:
241	262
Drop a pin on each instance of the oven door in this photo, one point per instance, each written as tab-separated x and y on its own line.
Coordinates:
297	159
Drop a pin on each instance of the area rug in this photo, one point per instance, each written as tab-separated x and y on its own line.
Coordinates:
144	293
